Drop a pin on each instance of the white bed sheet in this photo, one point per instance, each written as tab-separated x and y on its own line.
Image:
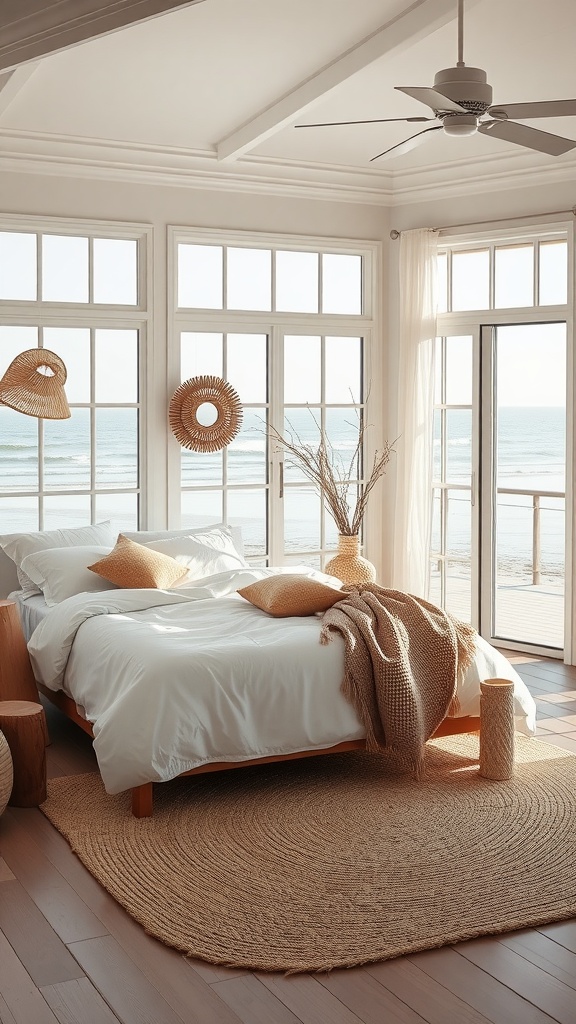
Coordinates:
32	609
172	681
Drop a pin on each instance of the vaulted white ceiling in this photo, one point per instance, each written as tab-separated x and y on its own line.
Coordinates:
216	88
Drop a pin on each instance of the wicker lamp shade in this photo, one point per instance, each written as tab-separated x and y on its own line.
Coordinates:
34	384
183	414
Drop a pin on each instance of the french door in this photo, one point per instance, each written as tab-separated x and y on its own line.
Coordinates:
499	484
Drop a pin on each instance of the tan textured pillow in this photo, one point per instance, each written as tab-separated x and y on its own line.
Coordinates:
134	565
291	594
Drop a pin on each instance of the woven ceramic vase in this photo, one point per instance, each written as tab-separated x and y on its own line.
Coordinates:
6	775
497	729
348	564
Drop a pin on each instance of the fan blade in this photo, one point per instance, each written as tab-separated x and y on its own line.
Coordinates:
408	144
432	98
378	120
543	108
532	138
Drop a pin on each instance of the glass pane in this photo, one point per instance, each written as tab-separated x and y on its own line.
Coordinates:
458	445
201	468
249	279
530	446
200	276
314	561
301	519
247	454
514	276
200	353
121	509
437	442
116	366
442	282
115	272
18	266
436	535
72	344
18	515
438	371
302	425
116	448
65	511
248	509
343	371
201	508
64	268
14	340
458	588
553	273
471	280
247	366
18	451
435	586
459	371
342	431
67	452
341	283
302	370
297	282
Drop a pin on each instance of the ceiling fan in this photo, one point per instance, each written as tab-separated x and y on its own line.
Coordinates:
460	99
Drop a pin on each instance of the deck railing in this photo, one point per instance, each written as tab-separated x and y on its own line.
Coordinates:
536	535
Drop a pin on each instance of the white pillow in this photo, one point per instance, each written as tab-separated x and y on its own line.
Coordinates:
203	554
146	536
18	545
63	572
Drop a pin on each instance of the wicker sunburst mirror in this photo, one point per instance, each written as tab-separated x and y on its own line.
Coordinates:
185	405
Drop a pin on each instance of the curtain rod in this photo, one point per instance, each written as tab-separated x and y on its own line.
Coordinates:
394	234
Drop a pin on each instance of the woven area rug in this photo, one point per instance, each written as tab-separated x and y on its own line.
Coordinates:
338	860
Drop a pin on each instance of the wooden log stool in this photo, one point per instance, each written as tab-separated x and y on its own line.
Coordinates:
24	726
16	677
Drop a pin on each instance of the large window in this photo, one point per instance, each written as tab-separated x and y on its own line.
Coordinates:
77	290
288	323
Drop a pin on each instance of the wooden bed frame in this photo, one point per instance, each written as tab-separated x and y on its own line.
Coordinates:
143	796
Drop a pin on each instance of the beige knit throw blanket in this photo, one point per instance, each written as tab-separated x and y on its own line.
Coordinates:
401	664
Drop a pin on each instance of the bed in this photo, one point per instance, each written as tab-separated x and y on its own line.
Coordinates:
118	662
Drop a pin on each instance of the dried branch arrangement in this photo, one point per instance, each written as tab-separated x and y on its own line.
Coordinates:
327	471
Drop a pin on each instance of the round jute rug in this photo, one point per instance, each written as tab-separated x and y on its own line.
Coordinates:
338	860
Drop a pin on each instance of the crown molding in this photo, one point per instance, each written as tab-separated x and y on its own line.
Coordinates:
34	28
74	156
40	153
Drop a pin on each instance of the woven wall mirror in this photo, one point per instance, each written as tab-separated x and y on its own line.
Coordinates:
205	414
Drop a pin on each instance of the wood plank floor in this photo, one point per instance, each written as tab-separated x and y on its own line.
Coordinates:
70	955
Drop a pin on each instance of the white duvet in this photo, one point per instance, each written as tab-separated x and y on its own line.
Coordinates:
171	680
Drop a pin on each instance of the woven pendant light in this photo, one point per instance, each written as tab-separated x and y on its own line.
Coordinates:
34	384
183	414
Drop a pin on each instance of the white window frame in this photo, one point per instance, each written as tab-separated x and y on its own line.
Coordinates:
275	325
471	321
93	316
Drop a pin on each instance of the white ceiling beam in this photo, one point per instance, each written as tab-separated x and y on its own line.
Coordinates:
11	82
401	32
34	28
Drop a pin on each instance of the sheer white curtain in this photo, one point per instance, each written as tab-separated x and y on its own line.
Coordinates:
416	334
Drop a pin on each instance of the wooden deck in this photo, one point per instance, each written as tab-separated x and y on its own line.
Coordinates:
70	955
524	613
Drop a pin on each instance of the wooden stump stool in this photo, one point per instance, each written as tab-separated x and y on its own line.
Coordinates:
16	677
24	727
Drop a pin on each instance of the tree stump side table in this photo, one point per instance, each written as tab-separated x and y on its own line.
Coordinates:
16	677
24	726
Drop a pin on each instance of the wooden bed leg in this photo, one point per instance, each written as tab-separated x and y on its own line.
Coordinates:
142	800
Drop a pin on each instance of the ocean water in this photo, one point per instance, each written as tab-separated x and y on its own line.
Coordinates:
530	457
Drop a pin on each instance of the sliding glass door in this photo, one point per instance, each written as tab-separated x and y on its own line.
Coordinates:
524	485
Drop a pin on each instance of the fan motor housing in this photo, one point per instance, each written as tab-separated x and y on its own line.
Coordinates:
466	86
